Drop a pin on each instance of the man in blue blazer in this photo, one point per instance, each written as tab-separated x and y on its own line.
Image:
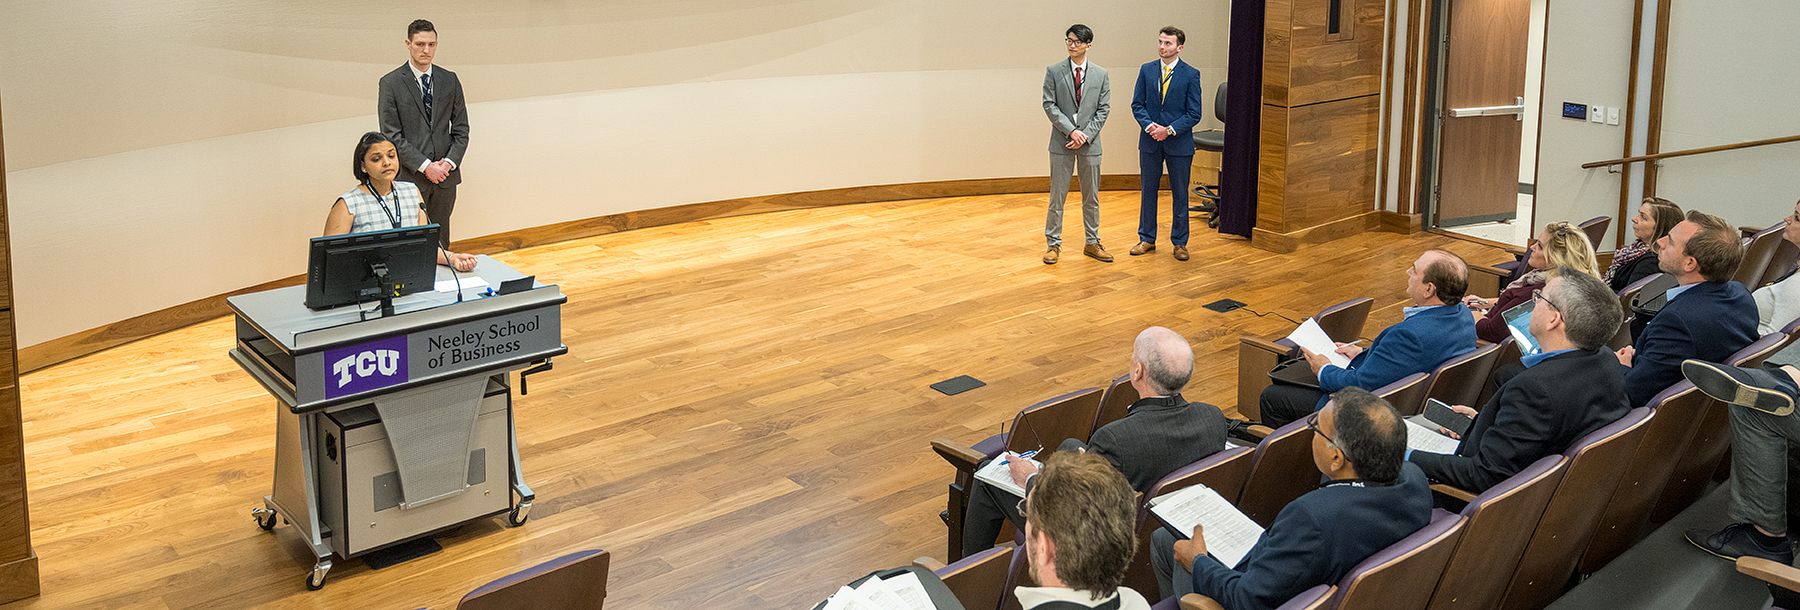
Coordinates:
1708	317
1437	327
1369	500
1166	103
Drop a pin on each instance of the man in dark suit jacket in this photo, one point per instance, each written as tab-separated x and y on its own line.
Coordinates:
1708	317
420	107
1159	434
1565	391
1166	103
1371	498
1437	328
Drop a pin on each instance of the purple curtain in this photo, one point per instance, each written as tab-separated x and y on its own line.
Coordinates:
1243	119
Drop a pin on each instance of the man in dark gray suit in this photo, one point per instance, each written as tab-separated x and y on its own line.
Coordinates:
1077	98
1159	434
421	109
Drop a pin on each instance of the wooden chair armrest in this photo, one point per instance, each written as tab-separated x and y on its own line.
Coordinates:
1260	431
1256	357
1196	601
963	457
930	563
1485	280
1778	574
1514	250
1453	492
1267	345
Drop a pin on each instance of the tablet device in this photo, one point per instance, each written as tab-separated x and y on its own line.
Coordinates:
1441	414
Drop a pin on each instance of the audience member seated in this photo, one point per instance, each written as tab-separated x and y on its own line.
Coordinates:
1437	328
1762	427
1778	304
1159	434
1370	499
1081	519
1560	245
1565	391
1655	217
1708	316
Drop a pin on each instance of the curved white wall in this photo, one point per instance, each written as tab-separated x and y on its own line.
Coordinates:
163	152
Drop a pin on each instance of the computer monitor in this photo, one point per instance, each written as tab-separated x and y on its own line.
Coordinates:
378	265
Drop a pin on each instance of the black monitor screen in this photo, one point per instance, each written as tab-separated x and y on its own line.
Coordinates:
342	267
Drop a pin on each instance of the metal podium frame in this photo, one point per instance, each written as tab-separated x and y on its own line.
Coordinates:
284	346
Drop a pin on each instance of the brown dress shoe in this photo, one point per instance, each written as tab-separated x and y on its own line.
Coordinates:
1181	253
1052	254
1097	252
1142	247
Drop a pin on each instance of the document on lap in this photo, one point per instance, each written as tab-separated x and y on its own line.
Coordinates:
1314	339
1421	438
997	474
1229	533
903	592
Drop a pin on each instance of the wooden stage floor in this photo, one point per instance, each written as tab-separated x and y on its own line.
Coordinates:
742	418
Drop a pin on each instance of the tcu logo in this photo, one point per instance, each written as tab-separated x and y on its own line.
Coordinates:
365	364
354	369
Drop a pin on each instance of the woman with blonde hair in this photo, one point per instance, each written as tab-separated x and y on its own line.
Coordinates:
1560	245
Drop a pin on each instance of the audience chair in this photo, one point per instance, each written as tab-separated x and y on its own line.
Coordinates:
1497	527
1622	522
1459	381
1595	228
1783	579
1509	355
1710	440
1408	394
1017	573
1639	293
1048	423
1315	598
1224	472
1402	576
576	581
1783	262
1281	469
976	580
1596	462
1759	251
1342	322
1114	404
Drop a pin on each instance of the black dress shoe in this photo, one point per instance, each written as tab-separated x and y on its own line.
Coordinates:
1740	540
1768	391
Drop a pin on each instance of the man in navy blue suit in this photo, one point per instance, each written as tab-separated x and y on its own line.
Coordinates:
1708	317
1166	103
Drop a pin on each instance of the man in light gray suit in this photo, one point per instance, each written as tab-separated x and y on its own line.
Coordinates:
420	107
1077	98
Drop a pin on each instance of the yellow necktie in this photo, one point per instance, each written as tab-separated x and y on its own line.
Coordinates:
1165	84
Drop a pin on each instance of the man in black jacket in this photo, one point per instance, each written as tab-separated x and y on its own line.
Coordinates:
1159	434
1567	390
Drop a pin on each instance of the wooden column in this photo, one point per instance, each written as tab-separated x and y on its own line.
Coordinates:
18	562
1320	120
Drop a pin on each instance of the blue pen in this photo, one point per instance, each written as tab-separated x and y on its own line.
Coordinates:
1027	455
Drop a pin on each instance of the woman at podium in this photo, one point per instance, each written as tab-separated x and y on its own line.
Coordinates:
378	202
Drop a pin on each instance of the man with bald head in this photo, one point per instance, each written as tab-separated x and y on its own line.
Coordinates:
1160	433
1437	327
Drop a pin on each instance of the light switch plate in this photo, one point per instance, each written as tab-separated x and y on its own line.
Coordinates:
1597	114
1612	115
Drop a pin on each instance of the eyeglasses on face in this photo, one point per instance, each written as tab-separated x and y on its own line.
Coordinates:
1539	295
1073	42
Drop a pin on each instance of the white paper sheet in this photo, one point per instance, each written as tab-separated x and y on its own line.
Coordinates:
1229	533
911	591
467	283
999	475
1421	438
1314	339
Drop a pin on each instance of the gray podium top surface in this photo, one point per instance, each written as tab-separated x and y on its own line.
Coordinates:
282	316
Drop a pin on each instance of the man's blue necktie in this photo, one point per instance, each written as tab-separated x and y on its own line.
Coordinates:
425	79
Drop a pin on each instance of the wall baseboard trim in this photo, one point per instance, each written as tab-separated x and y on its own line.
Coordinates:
1404	224
1283	243
64	349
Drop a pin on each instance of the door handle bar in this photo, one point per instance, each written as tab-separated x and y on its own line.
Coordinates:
1517	110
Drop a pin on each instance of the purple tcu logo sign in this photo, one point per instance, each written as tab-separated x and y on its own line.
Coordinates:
370	366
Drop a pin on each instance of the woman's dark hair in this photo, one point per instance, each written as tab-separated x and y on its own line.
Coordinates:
362	148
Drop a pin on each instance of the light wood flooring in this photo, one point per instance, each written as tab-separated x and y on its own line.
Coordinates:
742	418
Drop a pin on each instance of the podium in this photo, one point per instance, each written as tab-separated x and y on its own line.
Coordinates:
392	428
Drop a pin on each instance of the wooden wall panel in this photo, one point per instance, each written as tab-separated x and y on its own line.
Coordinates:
1272	170
1331	160
1277	51
1326	70
18	563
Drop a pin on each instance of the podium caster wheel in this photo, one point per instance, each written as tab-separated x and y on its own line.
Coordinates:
316	580
519	514
265	518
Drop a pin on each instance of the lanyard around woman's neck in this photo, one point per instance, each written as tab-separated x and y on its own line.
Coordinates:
392	214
